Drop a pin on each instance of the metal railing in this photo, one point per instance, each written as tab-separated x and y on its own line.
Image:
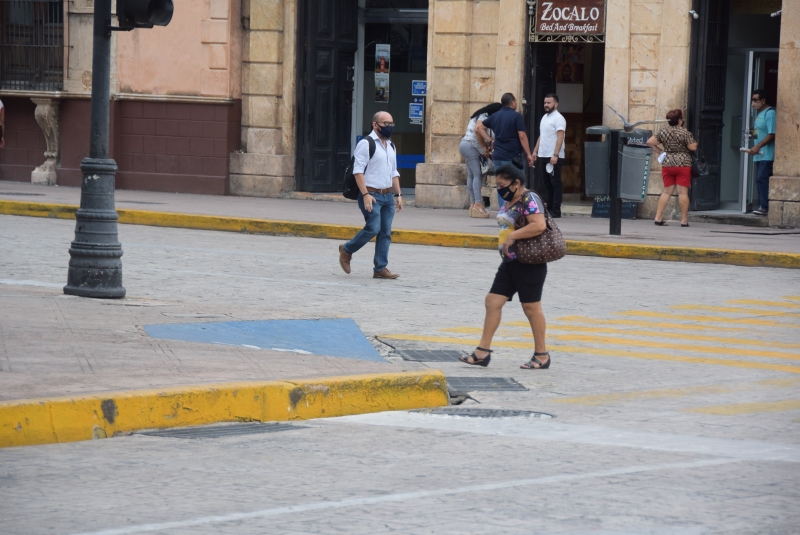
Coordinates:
32	45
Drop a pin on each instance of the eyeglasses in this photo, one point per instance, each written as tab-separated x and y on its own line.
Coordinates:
385	124
757	99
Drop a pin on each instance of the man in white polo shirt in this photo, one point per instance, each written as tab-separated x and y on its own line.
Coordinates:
550	150
379	186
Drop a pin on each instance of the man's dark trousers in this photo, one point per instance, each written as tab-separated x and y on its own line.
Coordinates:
763	172
378	225
553	185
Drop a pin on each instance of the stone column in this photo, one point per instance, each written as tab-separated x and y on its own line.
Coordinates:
441	180
265	167
665	26
47	116
476	53
512	38
784	187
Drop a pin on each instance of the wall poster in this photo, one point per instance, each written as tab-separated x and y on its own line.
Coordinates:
569	63
383	58
567	21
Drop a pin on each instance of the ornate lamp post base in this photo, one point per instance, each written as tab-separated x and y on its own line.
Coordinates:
95	268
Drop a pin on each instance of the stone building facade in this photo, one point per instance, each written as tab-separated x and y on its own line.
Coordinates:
175	96
233	109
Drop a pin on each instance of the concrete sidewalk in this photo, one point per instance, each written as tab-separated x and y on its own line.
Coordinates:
81	369
590	235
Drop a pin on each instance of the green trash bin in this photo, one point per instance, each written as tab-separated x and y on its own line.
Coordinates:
634	165
597	167
635	173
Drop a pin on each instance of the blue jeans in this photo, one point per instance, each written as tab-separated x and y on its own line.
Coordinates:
497	165
763	172
378	223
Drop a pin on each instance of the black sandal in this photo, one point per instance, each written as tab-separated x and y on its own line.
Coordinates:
530	364
661	223
476	361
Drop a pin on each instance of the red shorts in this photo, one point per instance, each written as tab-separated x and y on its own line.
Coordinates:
677	175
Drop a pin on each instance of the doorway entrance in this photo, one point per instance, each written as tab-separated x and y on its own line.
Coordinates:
391	69
748	70
326	54
575	72
358	57
734	52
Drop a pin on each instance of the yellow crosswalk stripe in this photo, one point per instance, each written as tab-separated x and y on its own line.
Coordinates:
749	408
602	352
757	302
693	348
736	310
707	319
648	334
678	358
635	323
606	399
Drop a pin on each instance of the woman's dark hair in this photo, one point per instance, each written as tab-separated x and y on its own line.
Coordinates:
674	117
492	108
511	172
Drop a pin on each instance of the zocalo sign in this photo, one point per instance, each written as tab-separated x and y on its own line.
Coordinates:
568	20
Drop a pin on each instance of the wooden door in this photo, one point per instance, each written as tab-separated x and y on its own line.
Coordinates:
709	57
325	92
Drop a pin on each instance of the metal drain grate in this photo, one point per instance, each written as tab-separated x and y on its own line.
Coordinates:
430	355
487	413
221	431
470	384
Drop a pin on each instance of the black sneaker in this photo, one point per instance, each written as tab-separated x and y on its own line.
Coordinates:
760	211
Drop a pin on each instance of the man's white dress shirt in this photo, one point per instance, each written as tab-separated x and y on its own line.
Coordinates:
383	166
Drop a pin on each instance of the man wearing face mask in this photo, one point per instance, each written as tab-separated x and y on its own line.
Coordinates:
550	149
764	150
379	186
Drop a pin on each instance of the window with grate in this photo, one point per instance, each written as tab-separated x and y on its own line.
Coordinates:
32	45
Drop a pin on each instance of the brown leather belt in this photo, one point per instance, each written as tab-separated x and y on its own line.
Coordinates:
375	190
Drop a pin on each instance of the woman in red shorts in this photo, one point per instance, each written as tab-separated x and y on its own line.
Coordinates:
676	169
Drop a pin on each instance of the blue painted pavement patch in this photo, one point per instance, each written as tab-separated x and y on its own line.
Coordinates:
332	337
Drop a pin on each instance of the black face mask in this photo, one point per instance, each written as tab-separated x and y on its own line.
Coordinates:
506	194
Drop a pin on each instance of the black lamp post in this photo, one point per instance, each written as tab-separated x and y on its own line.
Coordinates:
95	268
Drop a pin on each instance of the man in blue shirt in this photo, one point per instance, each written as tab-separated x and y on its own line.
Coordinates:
510	138
764	149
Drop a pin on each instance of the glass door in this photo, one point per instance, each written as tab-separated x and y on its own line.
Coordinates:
761	73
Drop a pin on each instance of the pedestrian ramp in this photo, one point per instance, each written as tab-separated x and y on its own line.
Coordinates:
339	337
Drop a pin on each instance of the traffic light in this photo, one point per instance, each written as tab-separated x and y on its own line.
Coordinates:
143	13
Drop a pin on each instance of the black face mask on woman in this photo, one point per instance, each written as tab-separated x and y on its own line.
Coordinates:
506	193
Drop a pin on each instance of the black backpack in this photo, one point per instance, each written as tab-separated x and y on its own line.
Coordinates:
350	190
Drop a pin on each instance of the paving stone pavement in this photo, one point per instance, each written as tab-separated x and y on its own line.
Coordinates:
666	379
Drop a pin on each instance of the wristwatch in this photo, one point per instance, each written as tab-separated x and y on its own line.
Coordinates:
398	194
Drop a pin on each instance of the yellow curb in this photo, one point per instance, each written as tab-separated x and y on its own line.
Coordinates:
48	421
413	237
684	254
